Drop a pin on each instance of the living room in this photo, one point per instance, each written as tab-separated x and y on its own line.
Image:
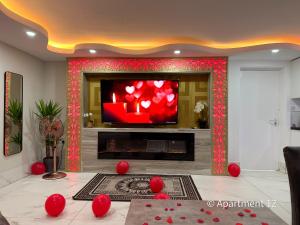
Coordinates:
188	114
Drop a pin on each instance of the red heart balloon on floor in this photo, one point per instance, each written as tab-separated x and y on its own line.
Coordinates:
122	167
38	168
156	184
161	196
55	204
234	169
101	205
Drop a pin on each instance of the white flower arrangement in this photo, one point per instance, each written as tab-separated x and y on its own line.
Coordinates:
201	108
85	115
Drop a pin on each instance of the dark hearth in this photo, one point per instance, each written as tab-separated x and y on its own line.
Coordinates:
146	145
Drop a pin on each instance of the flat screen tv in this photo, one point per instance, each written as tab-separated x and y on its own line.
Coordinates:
139	101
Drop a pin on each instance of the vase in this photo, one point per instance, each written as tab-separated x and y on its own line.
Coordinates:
90	124
202	124
48	162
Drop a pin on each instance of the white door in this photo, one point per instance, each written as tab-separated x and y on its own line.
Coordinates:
258	124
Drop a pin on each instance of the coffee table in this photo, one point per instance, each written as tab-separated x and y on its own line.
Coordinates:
154	212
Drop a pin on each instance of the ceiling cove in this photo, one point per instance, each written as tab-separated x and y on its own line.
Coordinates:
139	27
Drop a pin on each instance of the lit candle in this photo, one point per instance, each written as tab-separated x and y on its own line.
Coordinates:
138	117
115	111
114	98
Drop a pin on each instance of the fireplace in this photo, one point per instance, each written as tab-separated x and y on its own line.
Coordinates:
146	145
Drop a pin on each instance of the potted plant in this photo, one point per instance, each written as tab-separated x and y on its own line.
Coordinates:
17	139
48	114
201	108
15	114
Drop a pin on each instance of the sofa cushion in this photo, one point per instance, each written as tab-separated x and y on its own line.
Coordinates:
3	221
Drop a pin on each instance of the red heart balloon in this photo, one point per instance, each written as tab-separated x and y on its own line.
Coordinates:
122	167
38	168
161	196
101	205
55	204
156	184
234	169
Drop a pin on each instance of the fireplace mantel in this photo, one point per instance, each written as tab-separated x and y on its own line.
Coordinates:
147	129
201	164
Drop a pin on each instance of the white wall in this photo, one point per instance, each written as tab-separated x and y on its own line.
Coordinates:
16	166
48	81
295	79
295	93
55	77
234	76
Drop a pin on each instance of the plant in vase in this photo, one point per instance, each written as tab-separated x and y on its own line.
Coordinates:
15	114
50	128
201	108
17	139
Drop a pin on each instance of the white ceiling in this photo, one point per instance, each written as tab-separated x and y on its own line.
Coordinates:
285	54
13	33
140	24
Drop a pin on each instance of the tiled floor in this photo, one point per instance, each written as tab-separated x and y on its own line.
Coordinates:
23	202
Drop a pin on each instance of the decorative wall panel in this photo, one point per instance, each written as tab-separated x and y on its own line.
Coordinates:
217	67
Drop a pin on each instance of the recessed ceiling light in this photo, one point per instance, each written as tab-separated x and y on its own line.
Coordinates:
92	51
177	52
275	51
30	33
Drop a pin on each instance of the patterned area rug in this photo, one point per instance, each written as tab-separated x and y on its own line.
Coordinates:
136	186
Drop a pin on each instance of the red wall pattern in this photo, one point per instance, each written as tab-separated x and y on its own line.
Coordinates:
217	66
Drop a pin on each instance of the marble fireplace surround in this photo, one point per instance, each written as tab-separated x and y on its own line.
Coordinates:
77	135
200	165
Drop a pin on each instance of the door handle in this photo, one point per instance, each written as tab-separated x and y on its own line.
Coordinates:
274	122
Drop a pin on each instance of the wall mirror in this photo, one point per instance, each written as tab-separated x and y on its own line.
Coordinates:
13	113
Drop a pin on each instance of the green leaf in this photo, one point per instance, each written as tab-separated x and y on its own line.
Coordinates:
47	109
15	111
17	139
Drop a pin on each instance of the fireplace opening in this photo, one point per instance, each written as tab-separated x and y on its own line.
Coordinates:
146	145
